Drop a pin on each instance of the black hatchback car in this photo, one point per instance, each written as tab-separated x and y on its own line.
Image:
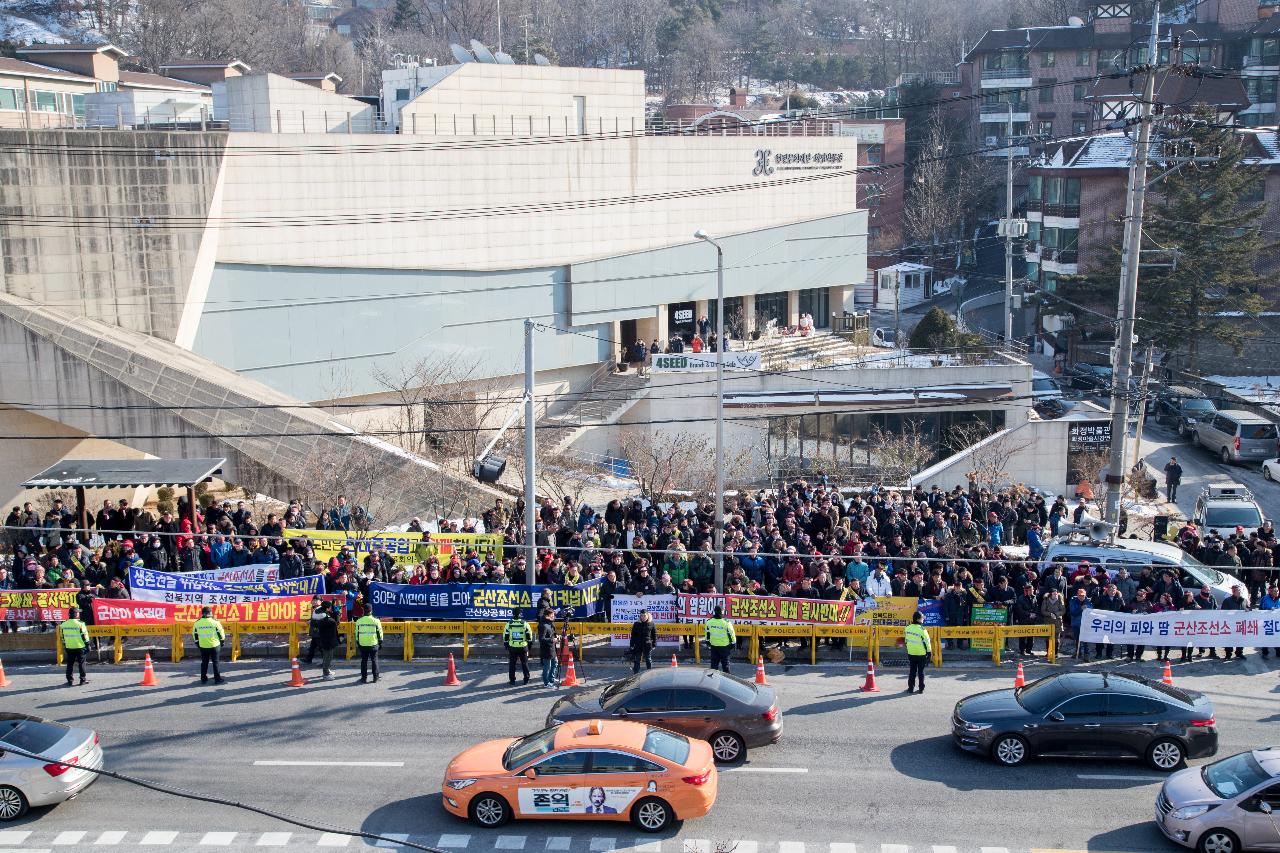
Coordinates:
727	712
1088	714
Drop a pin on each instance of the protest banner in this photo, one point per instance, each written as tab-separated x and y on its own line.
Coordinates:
442	546
626	608
255	573
887	610
767	610
986	615
480	601
36	605
109	611
1202	629
146	585
406	549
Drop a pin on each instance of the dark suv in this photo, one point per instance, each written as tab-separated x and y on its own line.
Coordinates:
1181	407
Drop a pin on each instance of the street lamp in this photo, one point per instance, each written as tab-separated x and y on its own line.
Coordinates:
719	518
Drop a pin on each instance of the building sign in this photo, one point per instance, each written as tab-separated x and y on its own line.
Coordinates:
767	162
1085	439
872	134
692	362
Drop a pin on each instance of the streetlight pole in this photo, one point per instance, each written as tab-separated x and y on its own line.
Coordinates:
530	494
1008	233
718	528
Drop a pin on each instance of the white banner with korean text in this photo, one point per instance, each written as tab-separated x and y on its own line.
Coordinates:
1199	628
689	362
626	608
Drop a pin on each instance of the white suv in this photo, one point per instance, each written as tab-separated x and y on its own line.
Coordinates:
1133	554
1222	508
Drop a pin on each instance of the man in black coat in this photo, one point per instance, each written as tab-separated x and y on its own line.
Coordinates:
644	638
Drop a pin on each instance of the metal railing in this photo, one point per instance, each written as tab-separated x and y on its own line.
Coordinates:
1003	109
1006	73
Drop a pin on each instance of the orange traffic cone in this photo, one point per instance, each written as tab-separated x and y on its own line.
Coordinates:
295	677
1020	680
674	665
148	673
570	675
1167	678
4	679
869	686
451	675
760	679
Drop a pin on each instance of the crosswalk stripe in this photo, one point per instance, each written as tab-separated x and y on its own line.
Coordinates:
644	845
940	849
454	841
556	842
509	842
993	850
843	847
158	838
894	848
274	839
218	839
696	845
113	836
600	845
392	839
790	847
333	839
71	836
743	846
14	836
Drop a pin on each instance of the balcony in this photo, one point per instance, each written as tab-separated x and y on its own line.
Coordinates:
1264	61
1062	211
1006	78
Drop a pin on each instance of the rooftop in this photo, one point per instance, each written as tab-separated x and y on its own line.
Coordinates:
116	473
9	65
142	80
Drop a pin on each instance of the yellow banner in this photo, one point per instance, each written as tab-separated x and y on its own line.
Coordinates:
889	610
405	548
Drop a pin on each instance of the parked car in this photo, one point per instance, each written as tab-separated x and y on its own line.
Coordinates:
729	713
1271	470
1133	554
1182	408
1088	714
1224	807
1088	377
1222	507
1237	436
887	338
26	782
1044	387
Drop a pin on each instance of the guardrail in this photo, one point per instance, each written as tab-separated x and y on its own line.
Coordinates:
872	638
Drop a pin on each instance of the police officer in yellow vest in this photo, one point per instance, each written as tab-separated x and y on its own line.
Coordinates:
719	635
369	639
75	637
918	649
516	636
209	636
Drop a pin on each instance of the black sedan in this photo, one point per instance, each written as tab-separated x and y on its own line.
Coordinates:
1088	714
729	713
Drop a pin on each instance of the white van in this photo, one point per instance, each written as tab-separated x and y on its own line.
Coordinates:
1133	554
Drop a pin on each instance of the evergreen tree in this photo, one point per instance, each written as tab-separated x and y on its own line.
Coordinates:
405	14
938	331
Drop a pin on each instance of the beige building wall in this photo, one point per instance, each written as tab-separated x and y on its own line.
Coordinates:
269	103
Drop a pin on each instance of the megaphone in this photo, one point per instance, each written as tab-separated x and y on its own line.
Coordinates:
1094	528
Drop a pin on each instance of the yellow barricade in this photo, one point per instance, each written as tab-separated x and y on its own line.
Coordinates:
412	629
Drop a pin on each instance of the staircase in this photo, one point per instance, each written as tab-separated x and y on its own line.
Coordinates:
817	350
605	401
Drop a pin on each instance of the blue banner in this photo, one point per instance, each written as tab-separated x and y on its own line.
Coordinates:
932	610
147	585
481	601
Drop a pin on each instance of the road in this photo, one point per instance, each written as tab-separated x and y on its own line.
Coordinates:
854	773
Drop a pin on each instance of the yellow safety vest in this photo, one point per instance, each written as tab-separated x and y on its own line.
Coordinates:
208	633
917	640
75	635
719	633
516	634
368	631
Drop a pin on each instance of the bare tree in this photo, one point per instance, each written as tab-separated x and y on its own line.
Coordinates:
896	456
659	460
989	453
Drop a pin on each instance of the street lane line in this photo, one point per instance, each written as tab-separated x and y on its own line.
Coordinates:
274	839
454	841
600	845
113	836
158	838
14	836
71	836
843	847
1106	777
218	839
790	847
274	763
510	842
333	839
764	770
555	842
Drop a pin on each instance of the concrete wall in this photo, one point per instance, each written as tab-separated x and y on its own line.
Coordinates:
269	103
143	107
1038	458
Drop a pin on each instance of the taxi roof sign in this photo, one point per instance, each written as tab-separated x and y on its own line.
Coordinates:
595	727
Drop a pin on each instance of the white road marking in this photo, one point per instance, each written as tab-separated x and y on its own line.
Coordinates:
274	839
158	838
510	842
696	845
333	839
745	769
790	847
939	849
454	841
273	763
894	848
993	850
555	842
393	839
14	836
25	850
71	836
602	844
113	836
218	839
743	846
843	847
1106	777
644	845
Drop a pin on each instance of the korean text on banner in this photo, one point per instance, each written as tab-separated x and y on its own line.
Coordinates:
480	601
255	573
761	610
327	543
626	608
146	585
443	546
1202	629
37	605
107	611
887	610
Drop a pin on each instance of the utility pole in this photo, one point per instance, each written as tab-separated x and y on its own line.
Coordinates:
1142	405
1008	232
527	56
718	528
530	468
1135	204
499	26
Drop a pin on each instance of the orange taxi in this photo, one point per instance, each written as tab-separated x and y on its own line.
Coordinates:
584	769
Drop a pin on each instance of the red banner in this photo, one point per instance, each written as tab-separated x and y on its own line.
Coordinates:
768	610
36	605
113	611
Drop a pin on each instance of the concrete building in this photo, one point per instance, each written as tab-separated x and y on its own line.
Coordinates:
35	95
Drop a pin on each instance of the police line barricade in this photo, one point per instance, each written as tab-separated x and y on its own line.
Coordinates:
1010	632
237	630
117	634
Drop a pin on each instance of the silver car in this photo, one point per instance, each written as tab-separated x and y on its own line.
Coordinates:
26	782
1228	806
1237	436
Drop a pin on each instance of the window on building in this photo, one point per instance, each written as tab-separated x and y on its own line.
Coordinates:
874	195
1046	89
1009	60
1044	127
1084	57
10	99
1071	192
1254	193
875	153
1035	187
77	105
1079	92
580	113
1080	125
875	232
1049	238
771	306
1033	272
817	303
1033	230
1264	51
1049	281
1053	191
46	102
402	94
1049	59
1261	90
106	86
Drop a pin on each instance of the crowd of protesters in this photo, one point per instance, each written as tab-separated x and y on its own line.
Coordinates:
805	540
